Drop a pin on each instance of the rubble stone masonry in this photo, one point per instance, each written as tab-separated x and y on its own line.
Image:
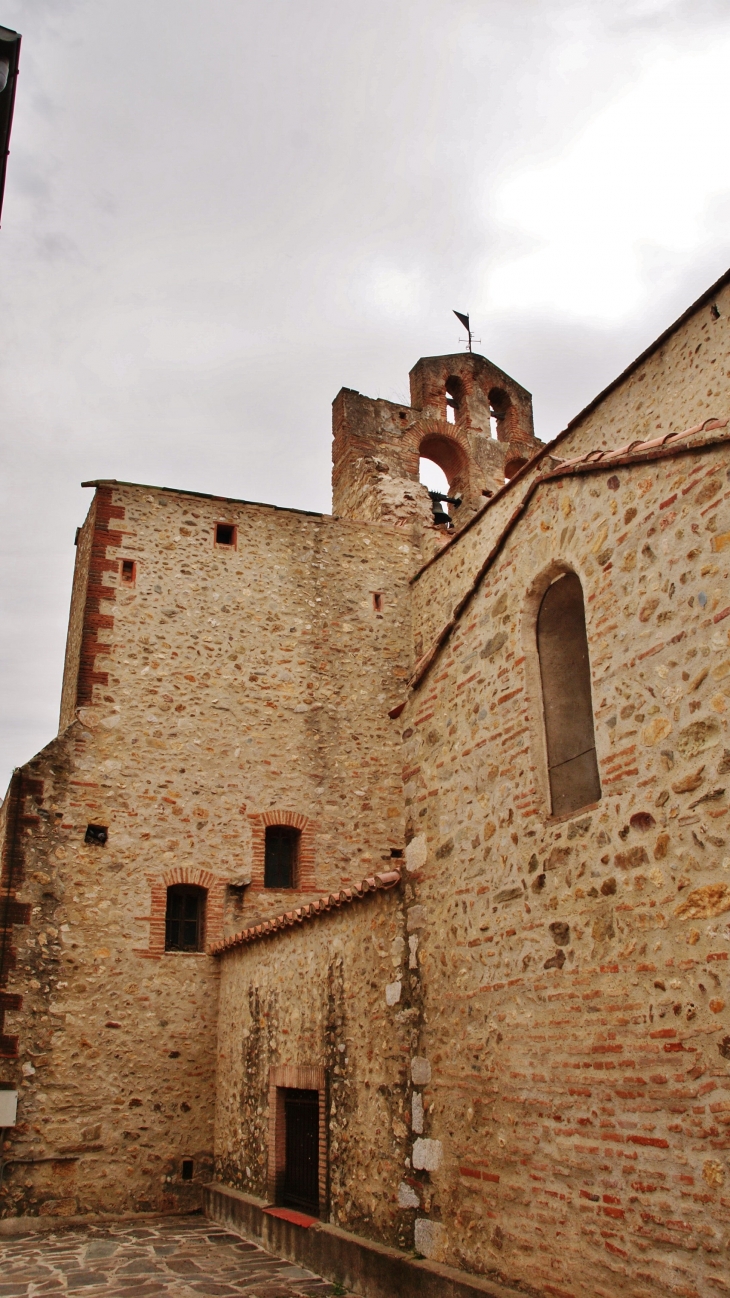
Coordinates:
225	688
517	1023
575	971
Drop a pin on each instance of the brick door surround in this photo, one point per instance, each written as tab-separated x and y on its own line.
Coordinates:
284	1077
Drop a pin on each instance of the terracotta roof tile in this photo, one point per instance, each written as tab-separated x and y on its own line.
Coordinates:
374	883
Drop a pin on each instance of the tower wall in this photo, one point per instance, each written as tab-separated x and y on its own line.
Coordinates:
377	444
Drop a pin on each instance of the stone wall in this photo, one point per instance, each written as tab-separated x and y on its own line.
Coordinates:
575	971
333	993
221	688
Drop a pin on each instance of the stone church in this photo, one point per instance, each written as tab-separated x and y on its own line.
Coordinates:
374	895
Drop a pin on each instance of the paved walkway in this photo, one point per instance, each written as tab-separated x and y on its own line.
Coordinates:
174	1257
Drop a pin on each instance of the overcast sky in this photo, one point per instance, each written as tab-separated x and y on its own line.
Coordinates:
217	214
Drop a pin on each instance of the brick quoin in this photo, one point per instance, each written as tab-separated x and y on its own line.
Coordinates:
96	622
19	822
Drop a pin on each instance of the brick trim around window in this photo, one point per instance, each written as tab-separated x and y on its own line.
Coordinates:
305	881
282	1078
214	906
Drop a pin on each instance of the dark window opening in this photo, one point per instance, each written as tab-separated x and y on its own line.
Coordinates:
126	571
96	834
225	534
280	860
184	918
562	646
377	601
396	852
187	1169
301	1166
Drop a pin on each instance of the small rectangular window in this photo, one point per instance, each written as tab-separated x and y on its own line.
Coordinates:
225	534
280	862
184	918
127	572
96	834
187	1169
378	601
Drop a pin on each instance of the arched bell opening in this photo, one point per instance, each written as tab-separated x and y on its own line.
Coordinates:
513	467
442	470
454	399
500	406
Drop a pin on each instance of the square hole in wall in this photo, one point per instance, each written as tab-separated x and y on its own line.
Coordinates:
96	834
127	572
225	534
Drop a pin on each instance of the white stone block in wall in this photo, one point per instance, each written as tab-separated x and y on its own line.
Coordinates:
392	993
416	852
416	918
427	1155
407	1197
397	948
9	1112
417	1112
420	1071
429	1238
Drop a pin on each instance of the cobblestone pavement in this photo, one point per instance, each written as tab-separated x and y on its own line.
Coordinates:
174	1257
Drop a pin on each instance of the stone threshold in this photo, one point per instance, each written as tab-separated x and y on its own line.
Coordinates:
12	1227
360	1265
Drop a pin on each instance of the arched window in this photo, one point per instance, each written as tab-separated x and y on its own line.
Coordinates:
281	856
562	647
185	918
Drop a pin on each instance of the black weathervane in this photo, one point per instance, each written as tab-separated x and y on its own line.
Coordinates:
464	318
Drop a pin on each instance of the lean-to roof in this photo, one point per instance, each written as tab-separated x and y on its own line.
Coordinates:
290	918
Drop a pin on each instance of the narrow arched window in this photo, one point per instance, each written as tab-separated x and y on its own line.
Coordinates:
185	918
562	647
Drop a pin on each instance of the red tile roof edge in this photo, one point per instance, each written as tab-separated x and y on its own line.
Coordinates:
656	448
374	883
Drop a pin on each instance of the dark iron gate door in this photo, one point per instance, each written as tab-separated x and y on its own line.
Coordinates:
301	1172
